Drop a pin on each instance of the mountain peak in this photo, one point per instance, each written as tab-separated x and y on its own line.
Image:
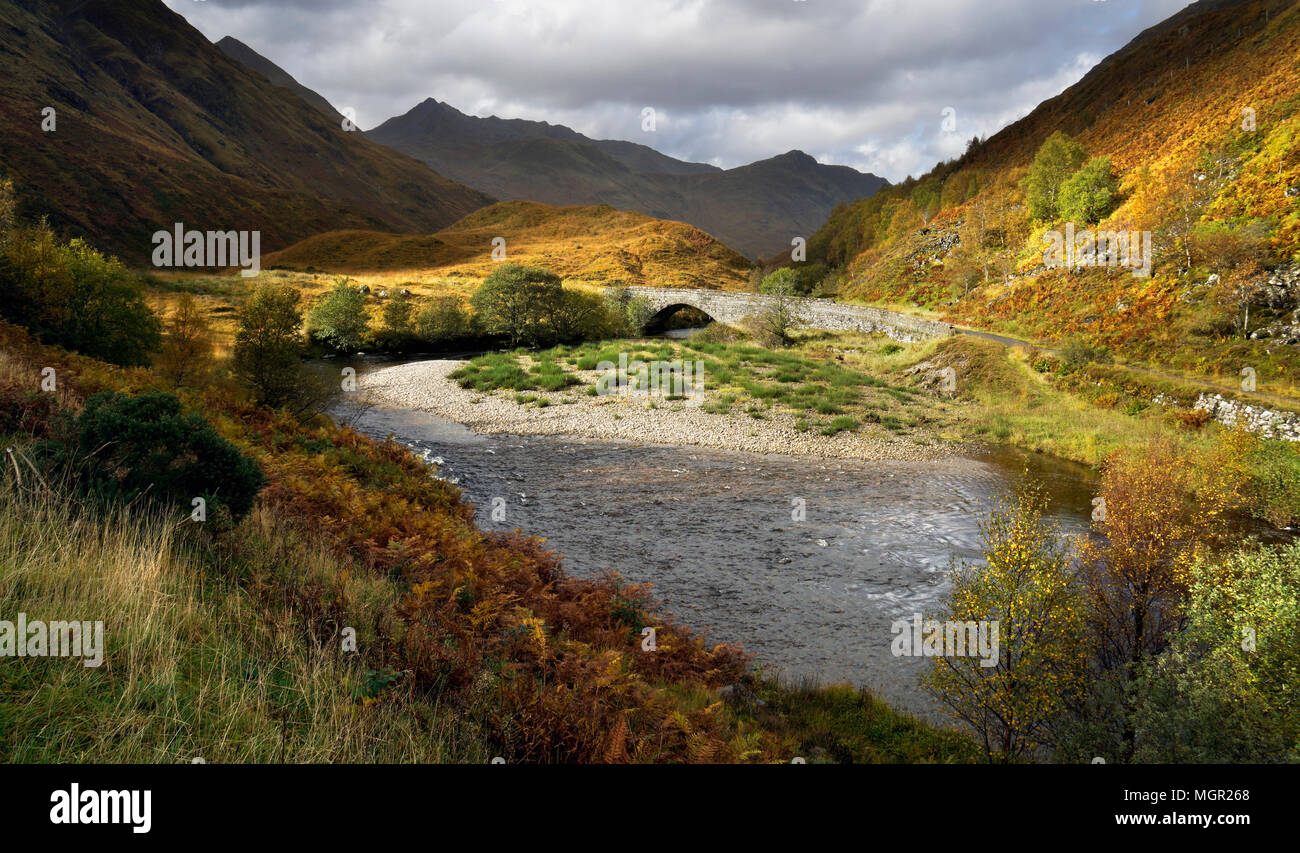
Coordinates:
794	155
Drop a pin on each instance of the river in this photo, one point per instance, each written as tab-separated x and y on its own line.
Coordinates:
719	535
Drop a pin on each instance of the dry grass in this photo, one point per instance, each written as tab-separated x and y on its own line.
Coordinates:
195	666
598	245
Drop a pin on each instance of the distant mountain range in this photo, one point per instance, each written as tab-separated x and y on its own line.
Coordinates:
756	209
152	125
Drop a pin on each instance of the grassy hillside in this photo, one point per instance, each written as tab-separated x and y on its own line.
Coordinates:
598	244
155	125
1198	116
251	59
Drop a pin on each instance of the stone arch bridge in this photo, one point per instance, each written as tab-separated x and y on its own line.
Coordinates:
731	308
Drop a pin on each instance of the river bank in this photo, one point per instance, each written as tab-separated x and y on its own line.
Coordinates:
425	386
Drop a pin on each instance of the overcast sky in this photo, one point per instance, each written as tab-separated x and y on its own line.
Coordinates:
863	83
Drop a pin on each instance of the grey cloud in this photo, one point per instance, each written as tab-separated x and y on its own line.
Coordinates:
860	82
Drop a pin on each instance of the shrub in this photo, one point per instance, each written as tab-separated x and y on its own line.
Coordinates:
1089	194
1192	419
397	316
1026	586
339	320
630	314
268	344
187	348
75	297
1077	352
1223	691
717	333
443	319
123	448
781	315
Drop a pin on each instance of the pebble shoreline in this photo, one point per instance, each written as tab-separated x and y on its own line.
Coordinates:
424	386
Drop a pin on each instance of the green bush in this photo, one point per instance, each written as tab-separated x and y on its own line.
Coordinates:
629	314
146	447
268	344
1223	692
1089	194
1058	158
397	315
443	319
517	302
1077	352
340	320
76	298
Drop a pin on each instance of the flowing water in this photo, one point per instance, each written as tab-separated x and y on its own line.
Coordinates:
717	534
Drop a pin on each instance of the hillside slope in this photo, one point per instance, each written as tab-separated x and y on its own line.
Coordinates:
756	209
1198	116
597	244
251	59
155	125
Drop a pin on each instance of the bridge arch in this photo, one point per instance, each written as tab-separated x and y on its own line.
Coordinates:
732	308
659	320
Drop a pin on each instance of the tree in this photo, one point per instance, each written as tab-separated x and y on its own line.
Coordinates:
517	302
1089	194
187	346
630	314
994	230
1237	254
1027	588
1181	197
443	318
1223	692
397	315
269	342
1057	159
339	320
75	297
580	316
1154	523
780	313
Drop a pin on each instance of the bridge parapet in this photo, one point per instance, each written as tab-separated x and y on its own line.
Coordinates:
731	308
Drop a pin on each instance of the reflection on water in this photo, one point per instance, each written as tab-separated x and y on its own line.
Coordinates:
679	334
714	532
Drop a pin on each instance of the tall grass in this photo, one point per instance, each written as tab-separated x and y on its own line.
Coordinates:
196	666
